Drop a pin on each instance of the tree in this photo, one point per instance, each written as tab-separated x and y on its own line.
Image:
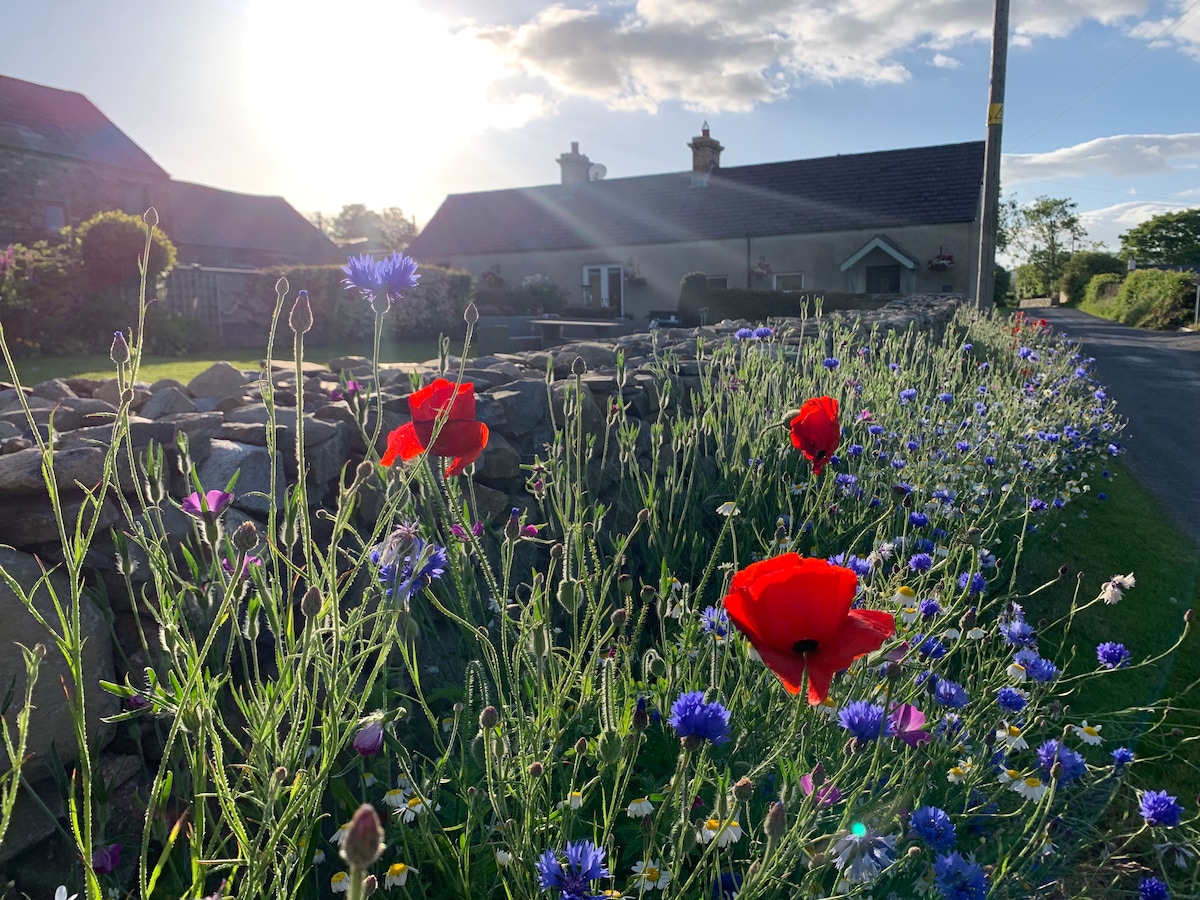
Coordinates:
387	230
1081	268
1168	239
1044	234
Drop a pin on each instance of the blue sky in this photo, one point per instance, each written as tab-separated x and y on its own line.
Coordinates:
400	102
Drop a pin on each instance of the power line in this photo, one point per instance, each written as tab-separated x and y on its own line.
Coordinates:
1115	72
1088	187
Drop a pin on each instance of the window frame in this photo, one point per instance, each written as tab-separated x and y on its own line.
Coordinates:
797	290
717	287
605	300
60	207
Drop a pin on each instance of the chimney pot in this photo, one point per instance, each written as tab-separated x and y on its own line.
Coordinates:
575	165
706	156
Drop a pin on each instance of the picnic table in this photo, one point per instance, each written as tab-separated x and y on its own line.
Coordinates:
550	329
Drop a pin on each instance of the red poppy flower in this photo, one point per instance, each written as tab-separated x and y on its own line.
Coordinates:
460	435
816	432
796	612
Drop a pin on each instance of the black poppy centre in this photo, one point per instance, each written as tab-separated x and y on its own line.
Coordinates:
808	645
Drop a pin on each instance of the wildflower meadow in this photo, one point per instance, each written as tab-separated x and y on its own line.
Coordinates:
765	645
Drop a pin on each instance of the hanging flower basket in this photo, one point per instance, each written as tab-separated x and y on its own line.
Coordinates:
761	269
942	262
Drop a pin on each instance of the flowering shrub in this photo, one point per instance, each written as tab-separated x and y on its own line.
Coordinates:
552	703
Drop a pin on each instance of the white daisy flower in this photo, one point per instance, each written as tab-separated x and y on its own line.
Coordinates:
1031	788
1016	672
640	807
339	835
904	595
1113	590
960	772
412	808
1012	737
503	857
909	614
395	798
1089	734
726	832
397	874
647	875
340	882
728	508
60	893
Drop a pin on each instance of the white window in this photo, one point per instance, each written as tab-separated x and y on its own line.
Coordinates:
718	282
56	217
789	282
602	286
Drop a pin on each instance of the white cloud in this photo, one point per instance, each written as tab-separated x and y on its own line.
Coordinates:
1119	156
733	54
1181	32
1106	225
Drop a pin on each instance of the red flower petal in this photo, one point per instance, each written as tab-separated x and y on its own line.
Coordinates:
430	400
815	431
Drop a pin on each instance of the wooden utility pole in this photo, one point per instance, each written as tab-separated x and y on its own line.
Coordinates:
985	276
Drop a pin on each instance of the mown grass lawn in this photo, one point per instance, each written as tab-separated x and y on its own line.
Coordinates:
1098	537
98	365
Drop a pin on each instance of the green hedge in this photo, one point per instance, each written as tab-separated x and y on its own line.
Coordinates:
435	306
731	303
1155	298
1097	292
1082	267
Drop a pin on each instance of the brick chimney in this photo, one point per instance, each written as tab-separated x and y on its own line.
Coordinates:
575	165
706	156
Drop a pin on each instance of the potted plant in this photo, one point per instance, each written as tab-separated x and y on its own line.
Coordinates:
761	269
942	262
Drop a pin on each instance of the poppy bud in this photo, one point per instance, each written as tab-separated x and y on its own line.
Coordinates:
618	618
370	886
471	314
581	746
743	789
512	530
625	583
776	821
365	470
643	516
556	551
489	717
536	769
369	740
641	718
311	603
363	842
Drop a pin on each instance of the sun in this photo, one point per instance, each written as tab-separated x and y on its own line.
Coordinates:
374	94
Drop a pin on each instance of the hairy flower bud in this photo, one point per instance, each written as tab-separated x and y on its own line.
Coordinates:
471	314
581	745
625	583
489	717
641	717
618	618
363	842
365	470
245	538
370	886
512	528
300	319
536	769
743	789
311	603
643	516
120	349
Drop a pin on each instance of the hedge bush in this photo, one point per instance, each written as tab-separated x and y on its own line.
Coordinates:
111	245
1102	288
1082	267
731	303
1154	298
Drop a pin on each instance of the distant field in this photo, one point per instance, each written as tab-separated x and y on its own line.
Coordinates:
98	365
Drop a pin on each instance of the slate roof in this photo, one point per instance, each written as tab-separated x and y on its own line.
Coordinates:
64	123
926	185
209	217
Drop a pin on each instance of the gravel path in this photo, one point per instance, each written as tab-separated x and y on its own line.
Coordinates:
1155	378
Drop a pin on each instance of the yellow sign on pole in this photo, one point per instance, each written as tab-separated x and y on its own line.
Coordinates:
995	113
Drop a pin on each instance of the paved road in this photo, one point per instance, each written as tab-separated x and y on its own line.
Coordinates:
1155	378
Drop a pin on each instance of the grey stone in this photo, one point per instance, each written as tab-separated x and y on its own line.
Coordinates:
8	430
218	380
353	363
196	425
110	392
53	389
326	459
30	520
253	465
500	462
64	419
21	473
525	405
591	416
595	355
49	723
169	382
315	430
35	825
168	402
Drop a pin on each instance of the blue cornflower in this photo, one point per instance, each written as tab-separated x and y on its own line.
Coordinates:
933	826
980	408
855	450
989	460
929	608
907	396
897	463
876	430
744	334
696	721
1025	353
972	581
921	544
1071	762
959	878
945	397
866	721
1159	808
1153	889
387	278
913	445
920	562
860	567
407	563
1037	505
1112	655
918	519
1038	669
1018	632
894	367
763	332
1122	757
962	446
727	886
585	864
831	362
929	647
951	694
1010	699
861	856
715	621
